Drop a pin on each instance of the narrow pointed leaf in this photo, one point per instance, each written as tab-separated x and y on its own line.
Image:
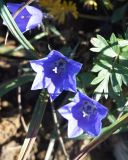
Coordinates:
33	127
14	83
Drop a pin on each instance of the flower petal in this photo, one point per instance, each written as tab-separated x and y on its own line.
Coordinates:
13	7
22	22
103	111
35	19
56	54
73	129
78	97
28	18
54	67
34	11
37	65
75	66
66	110
92	126
51	90
22	18
40	82
84	115
70	83
54	89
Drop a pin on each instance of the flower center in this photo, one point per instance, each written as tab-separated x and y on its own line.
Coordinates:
24	17
59	66
87	109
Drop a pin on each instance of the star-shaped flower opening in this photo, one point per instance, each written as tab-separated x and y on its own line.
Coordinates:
84	115
29	18
56	73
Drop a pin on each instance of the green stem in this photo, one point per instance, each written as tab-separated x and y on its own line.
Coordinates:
106	132
57	127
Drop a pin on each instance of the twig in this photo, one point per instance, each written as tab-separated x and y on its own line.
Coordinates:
23	123
58	130
6	37
50	148
19	92
19	97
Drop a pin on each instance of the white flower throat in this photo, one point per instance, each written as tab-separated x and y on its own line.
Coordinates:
87	109
59	66
24	17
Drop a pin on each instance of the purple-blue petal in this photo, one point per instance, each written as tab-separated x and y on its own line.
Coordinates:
13	7
22	23
102	111
70	83
40	82
74	66
53	90
57	81
73	129
36	17
86	114
37	65
66	110
29	18
91	125
22	18
76	113
56	54
56	67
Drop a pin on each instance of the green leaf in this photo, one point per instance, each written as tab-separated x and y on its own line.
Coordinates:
101	45
96	68
114	43
95	49
99	42
125	79
116	82
119	100
34	126
101	76
111	118
119	13
97	80
102	87
119	79
12	84
124	54
12	26
86	78
126	33
122	42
